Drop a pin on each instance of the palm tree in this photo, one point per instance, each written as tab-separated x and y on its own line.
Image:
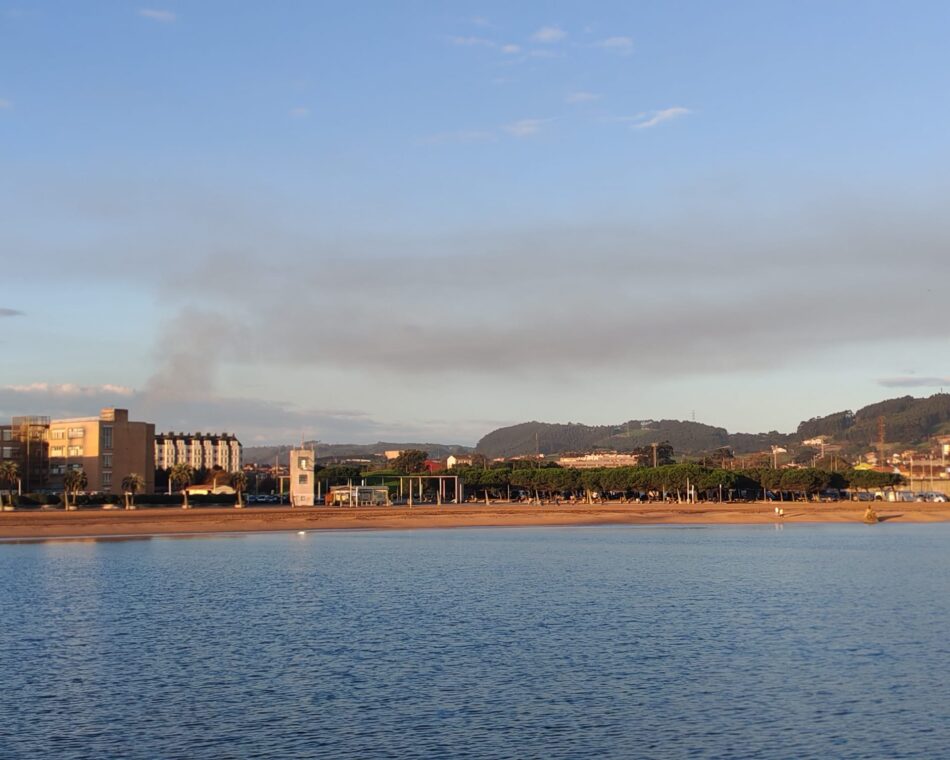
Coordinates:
239	483
73	482
131	484
9	474
181	474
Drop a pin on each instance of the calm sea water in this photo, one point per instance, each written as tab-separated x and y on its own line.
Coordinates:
828	641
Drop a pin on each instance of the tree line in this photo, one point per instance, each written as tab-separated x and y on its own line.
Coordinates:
674	480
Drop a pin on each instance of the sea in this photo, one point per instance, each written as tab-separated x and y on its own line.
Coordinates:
792	641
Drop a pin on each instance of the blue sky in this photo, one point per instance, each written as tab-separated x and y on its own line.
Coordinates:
365	221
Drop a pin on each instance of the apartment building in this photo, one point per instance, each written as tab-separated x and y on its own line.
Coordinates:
600	459
108	447
198	450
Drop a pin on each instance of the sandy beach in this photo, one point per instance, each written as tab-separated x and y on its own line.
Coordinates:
23	525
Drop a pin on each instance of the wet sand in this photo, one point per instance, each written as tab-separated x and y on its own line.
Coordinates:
170	521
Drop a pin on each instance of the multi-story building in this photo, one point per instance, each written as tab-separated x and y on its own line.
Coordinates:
600	459
198	450
108	447
24	442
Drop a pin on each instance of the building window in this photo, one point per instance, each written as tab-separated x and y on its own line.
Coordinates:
76	432
8	452
74	451
107	437
58	435
107	461
56	451
8	435
107	480
302	479
303	463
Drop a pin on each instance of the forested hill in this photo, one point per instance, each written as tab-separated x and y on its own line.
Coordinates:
545	438
907	420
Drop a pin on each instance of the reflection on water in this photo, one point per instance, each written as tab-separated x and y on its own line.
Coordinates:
112	539
75	540
785	641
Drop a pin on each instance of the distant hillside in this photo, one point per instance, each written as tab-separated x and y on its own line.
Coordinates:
686	438
907	420
266	454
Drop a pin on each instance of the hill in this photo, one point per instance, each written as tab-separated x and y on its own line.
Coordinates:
907	420
686	437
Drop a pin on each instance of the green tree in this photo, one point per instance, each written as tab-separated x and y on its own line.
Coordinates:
239	484
806	481
131	485
872	479
9	474
74	481
411	461
181	475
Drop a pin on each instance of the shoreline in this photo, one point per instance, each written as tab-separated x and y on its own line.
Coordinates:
150	521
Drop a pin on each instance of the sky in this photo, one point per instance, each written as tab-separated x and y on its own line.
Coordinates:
420	221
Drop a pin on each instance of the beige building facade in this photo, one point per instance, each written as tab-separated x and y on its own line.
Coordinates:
108	448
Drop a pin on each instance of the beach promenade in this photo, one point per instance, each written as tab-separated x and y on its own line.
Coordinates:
165	521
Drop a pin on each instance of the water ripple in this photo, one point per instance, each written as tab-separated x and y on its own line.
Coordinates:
522	643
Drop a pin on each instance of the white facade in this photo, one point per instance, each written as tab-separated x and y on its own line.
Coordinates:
301	478
453	461
605	459
198	450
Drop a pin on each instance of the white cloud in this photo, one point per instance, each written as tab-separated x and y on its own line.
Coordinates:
652	118
622	45
300	112
154	14
549	34
581	97
914	382
68	389
6	103
524	127
471	41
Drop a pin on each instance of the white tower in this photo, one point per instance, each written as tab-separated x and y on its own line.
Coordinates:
301	478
